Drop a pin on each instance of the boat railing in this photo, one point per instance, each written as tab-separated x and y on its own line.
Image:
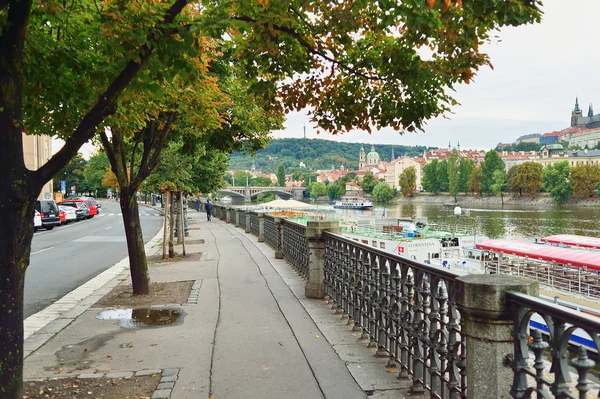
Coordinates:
564	278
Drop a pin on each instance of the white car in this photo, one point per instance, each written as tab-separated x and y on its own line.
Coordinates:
70	212
37	221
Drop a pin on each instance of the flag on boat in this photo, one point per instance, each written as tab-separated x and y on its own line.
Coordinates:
384	213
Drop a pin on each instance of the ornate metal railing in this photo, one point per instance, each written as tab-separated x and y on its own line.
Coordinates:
532	377
406	309
295	246
254	226
243	219
271	232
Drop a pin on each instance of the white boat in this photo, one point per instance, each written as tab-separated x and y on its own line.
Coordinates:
353	203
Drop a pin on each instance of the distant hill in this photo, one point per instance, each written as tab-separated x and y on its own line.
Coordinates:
316	154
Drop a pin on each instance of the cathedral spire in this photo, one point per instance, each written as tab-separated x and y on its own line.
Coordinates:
591	110
576	110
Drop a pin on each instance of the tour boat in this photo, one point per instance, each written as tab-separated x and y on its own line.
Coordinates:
353	203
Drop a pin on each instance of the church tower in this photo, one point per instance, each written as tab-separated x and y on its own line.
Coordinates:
590	111
577	113
362	158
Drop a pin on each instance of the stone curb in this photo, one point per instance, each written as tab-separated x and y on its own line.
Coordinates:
44	325
164	389
195	292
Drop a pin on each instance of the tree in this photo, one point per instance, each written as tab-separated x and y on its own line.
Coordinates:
499	184
556	181
453	173
383	192
442	176
408	181
525	178
261	181
474	182
430	181
585	179
73	174
336	190
490	164
465	168
281	176
368	182
317	190
94	172
78	59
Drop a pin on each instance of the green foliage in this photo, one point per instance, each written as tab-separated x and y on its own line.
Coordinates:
317	190
585	179
442	176
265	197
368	182
430	180
499	184
465	168
336	190
408	181
383	192
315	154
281	176
556	181
453	173
525	178
94	172
522	147
73	174
490	164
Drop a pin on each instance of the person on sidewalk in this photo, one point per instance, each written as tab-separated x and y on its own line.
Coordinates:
209	207
197	204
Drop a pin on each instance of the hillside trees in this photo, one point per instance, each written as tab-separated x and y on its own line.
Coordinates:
81	57
408	182
368	182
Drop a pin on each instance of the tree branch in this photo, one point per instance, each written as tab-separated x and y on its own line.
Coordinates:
313	50
107	102
158	147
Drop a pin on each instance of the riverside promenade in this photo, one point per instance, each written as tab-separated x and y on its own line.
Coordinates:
245	331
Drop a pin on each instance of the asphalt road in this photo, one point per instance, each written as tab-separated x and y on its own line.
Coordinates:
68	256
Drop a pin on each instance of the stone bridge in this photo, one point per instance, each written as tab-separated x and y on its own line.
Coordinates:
246	193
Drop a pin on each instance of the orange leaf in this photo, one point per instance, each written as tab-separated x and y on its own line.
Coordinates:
430	3
446	4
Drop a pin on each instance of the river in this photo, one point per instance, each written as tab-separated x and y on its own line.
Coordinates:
495	221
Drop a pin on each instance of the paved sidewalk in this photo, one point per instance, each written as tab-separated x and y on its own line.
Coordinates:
251	334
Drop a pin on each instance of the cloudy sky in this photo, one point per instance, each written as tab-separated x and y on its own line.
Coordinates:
538	71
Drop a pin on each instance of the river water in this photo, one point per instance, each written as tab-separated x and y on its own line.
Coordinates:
495	221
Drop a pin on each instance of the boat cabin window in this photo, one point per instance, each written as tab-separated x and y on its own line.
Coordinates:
382	245
375	244
365	242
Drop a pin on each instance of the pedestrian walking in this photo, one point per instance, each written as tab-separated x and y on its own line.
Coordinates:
209	208
197	204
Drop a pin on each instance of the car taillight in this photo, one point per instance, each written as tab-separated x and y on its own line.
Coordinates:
42	215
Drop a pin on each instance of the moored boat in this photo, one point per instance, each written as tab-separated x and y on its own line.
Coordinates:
353	203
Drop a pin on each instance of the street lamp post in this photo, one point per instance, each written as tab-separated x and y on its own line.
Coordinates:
457	213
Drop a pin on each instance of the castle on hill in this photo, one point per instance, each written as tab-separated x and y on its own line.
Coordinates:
588	122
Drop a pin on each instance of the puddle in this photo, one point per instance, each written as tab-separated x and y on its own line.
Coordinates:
144	317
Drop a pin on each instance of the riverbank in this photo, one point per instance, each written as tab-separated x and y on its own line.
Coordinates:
538	200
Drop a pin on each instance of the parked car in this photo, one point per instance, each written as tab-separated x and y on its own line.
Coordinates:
70	213
37	221
81	209
91	204
49	213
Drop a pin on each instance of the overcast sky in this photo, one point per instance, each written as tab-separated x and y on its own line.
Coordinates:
538	71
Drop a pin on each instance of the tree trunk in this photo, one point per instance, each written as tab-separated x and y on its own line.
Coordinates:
165	227
138	263
16	231
171	223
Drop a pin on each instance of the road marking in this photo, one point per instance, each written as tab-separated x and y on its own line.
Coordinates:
108	228
41	250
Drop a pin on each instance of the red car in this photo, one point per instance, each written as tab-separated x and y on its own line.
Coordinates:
91	204
63	216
